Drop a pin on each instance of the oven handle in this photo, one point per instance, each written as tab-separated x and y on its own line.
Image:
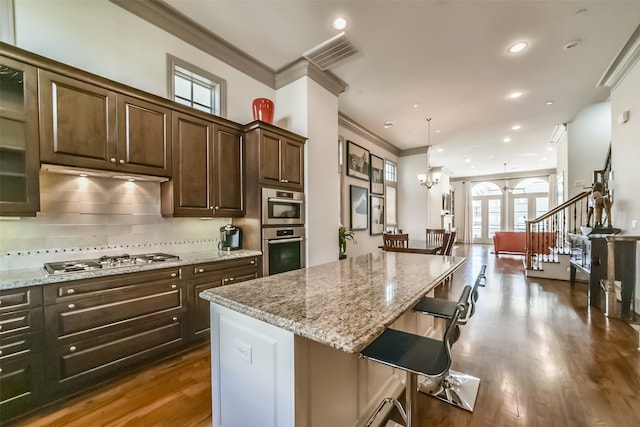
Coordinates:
279	200
278	241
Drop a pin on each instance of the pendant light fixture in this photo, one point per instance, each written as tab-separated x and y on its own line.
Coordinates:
430	178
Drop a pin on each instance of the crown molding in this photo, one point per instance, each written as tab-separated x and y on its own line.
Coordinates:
170	20
360	130
302	68
542	173
414	151
624	61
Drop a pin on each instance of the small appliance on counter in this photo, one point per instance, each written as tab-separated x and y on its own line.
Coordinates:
230	238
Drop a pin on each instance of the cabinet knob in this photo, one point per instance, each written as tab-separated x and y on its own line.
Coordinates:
72	348
174	318
174	286
0	352
0	327
71	306
121	162
174	274
211	207
252	262
113	160
71	291
201	270
231	279
216	207
284	180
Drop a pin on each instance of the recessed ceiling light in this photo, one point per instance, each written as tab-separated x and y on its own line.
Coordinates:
83	175
549	148
518	47
549	102
339	24
387	125
544	159
515	94
467	160
416	105
515	127
439	150
473	166
131	180
437	130
507	139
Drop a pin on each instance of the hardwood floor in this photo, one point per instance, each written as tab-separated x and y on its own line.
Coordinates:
544	357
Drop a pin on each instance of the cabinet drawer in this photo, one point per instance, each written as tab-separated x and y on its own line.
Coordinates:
221	266
106	313
21	385
69	291
16	322
20	299
16	346
86	361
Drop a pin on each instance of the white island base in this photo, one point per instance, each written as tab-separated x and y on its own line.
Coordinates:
263	375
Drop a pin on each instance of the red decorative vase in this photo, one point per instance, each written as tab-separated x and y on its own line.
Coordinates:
263	110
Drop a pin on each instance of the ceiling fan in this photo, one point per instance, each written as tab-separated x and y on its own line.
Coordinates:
506	187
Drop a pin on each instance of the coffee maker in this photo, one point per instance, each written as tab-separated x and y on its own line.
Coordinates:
230	238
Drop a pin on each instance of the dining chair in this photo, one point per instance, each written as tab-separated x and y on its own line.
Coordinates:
448	243
392	241
435	237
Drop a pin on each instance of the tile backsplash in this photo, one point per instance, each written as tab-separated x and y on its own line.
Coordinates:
97	215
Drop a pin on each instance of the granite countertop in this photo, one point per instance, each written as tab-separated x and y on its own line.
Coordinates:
11	279
343	304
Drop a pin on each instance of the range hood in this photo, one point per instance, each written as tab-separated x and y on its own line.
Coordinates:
68	170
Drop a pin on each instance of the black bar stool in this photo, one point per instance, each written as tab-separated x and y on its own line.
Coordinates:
456	388
416	355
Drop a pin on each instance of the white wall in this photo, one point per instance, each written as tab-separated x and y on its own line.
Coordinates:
103	38
625	155
588	139
413	210
365	241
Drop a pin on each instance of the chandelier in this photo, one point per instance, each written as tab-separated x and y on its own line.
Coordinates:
430	178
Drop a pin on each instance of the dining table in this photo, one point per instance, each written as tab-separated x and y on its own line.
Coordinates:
415	246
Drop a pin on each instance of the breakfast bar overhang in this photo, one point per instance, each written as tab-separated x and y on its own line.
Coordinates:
285	348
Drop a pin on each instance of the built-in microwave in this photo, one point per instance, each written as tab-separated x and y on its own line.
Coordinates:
282	207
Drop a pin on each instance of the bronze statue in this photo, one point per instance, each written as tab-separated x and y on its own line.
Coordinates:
599	200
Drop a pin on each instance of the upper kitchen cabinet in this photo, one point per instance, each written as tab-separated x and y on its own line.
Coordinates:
279	155
19	150
208	169
86	125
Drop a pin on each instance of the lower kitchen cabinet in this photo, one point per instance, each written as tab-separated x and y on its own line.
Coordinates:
212	275
59	339
21	351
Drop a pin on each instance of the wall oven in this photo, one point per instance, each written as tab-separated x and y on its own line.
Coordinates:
283	249
282	207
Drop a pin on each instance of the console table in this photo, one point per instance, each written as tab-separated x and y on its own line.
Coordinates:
589	254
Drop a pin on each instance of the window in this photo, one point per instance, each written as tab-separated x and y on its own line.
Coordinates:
196	88
486	206
390	172
530	200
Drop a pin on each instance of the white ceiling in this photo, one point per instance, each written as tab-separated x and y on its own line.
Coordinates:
450	58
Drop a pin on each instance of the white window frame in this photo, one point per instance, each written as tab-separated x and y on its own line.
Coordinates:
217	85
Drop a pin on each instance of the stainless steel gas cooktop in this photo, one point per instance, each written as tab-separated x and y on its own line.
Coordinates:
103	262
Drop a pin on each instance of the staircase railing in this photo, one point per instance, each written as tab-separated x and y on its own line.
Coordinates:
545	235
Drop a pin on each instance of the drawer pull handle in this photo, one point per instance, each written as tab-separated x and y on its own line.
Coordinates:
72	348
174	275
231	279
174	286
174	318
201	270
71	291
253	262
71	306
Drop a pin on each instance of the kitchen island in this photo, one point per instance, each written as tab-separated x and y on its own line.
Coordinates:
285	347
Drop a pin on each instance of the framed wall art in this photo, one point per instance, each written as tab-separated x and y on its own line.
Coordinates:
359	207
357	161
376	218
376	167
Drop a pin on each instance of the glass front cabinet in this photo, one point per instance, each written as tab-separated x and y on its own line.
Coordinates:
19	144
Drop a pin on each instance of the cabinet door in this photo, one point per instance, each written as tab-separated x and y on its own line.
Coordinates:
189	193
269	158
144	144
19	148
228	171
77	123
21	385
291	163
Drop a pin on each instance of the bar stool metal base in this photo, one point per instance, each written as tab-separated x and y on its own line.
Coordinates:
457	389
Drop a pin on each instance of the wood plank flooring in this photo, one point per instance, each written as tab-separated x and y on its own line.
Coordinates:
545	358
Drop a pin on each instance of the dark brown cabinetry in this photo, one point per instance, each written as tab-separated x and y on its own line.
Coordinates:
208	169
97	327
279	155
21	350
86	125
19	150
212	275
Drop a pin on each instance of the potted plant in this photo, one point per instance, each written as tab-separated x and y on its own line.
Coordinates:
343	236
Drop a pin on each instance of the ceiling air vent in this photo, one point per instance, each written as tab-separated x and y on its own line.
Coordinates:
329	53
